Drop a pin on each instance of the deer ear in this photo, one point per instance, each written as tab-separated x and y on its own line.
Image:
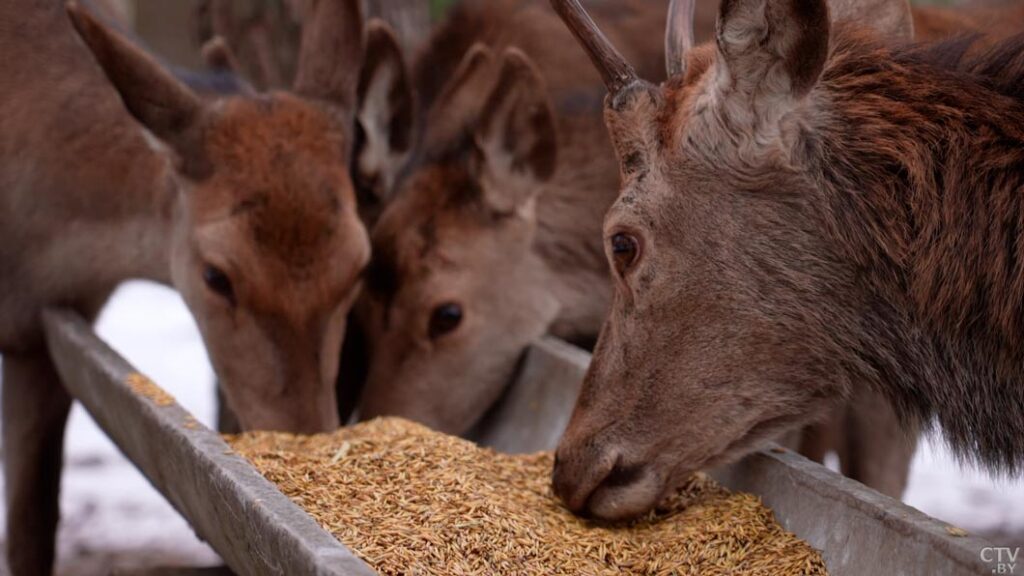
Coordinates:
458	103
770	53
155	98
386	111
516	135
331	52
221	62
893	19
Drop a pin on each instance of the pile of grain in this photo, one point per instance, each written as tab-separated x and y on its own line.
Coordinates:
411	501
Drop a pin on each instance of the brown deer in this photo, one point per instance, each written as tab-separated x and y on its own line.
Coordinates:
442	254
452	384
865	432
490	236
449	381
117	170
806	210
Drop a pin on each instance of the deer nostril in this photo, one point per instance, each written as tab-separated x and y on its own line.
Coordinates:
577	475
622	475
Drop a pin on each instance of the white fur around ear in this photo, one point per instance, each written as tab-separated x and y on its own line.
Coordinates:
770	56
385	114
771	49
516	135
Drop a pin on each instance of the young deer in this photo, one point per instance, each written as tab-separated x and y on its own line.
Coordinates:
805	212
244	204
490	234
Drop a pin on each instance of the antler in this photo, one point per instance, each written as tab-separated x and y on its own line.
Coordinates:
679	37
616	72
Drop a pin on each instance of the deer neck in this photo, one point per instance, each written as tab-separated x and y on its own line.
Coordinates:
153	229
127	231
922	183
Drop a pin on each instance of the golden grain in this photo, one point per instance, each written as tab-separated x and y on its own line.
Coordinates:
411	501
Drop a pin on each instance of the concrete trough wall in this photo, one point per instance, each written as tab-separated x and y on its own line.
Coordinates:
258	531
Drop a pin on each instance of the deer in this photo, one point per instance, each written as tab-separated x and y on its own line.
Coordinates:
110	169
491	167
807	209
462	283
865	433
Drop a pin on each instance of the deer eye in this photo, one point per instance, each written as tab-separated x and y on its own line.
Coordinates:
445	319
219	283
625	252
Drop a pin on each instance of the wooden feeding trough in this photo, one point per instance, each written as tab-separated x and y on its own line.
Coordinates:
259	531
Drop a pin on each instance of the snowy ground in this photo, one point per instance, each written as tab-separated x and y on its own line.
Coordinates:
113	517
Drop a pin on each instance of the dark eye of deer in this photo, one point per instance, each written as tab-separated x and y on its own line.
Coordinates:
445	319
219	283
625	251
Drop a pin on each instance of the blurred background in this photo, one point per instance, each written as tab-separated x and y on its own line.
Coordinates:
114	521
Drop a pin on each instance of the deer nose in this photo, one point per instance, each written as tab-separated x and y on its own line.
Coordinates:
601	483
579	470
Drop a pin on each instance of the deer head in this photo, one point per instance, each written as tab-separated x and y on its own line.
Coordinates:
454	287
731	304
267	246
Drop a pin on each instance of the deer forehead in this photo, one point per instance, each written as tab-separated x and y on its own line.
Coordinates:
254	135
279	180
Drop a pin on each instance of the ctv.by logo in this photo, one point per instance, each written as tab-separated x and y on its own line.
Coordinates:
1003	560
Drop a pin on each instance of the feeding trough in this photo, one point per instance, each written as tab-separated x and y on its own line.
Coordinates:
259	531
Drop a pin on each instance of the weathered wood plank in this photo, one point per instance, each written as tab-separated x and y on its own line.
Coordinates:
258	531
859	531
535	410
255	528
222	571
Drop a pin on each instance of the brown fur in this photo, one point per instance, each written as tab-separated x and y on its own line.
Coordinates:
143	179
993	19
521	253
804	247
439	200
863	433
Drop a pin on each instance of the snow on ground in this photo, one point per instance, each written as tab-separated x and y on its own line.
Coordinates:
965	496
113	517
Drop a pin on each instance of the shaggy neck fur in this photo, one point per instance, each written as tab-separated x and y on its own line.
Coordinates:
920	156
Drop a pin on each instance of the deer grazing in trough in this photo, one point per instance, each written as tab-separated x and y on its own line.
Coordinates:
116	171
805	210
466	274
490	230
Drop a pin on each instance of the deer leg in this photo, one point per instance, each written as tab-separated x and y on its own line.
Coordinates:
818	439
879	450
35	410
